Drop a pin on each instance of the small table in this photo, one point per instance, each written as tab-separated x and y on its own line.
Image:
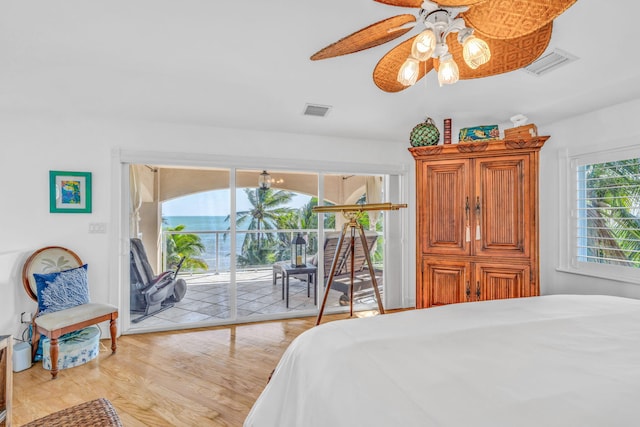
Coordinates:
285	269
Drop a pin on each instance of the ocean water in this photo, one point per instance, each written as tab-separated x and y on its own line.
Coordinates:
213	230
216	237
197	223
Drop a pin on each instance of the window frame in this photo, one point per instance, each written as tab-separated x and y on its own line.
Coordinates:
397	188
568	254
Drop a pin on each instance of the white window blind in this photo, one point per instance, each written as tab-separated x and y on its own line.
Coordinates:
608	213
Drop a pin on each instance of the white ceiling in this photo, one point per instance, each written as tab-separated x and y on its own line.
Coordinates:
246	64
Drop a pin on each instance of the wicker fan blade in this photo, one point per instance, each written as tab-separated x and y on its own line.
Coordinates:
506	55
401	3
508	19
386	72
458	3
373	35
418	3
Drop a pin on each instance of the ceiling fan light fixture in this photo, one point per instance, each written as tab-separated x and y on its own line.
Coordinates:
519	30
423	45
448	72
408	73
475	51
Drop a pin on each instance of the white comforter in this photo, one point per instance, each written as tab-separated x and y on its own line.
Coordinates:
543	361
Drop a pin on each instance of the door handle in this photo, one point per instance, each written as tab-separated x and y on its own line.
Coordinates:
478	218
468	291
477	290
467	208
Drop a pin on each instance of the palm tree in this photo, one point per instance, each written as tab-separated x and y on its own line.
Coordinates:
308	220
612	211
187	246
267	206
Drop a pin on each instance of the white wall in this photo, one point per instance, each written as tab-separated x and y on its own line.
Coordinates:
32	146
608	128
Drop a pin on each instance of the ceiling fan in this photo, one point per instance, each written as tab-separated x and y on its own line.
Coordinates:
493	37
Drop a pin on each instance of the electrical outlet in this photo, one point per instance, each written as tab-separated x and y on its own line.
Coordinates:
25	317
97	227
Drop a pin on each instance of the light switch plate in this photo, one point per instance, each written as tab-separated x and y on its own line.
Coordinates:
97	227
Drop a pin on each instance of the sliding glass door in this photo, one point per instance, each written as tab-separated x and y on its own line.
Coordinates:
276	241
215	246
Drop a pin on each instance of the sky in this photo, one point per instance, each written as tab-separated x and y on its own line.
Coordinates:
215	203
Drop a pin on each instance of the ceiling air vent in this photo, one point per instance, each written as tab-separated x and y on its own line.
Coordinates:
549	62
316	110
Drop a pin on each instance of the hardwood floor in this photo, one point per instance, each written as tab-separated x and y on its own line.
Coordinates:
197	377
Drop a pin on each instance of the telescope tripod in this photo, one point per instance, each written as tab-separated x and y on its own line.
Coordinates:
351	226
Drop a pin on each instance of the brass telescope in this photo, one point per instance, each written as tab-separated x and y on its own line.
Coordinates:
352	213
360	208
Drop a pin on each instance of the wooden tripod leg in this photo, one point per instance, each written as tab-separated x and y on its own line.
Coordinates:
332	273
352	248
372	273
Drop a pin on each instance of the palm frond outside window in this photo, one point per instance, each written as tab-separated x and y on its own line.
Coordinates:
608	213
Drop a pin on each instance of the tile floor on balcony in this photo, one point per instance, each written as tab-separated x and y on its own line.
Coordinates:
207	299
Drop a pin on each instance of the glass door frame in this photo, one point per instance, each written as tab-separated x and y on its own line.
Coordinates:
396	187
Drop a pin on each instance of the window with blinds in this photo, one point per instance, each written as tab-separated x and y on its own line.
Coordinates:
608	213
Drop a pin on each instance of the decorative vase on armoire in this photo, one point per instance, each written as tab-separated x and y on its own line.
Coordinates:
425	133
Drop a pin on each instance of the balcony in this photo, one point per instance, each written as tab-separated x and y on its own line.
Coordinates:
258	296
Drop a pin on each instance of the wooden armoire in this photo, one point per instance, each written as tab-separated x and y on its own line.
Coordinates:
477	221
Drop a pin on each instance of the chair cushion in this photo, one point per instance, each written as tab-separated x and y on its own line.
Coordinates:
62	289
73	315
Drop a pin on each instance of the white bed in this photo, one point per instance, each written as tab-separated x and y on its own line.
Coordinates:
563	360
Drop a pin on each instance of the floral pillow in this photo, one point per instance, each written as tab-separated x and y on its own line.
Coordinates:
61	290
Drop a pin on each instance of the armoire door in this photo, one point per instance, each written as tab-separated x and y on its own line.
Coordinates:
445	207
502	207
444	281
499	281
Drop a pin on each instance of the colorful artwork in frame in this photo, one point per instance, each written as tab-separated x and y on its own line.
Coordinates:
69	192
479	133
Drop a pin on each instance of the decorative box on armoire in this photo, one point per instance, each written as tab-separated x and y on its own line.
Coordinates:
477	221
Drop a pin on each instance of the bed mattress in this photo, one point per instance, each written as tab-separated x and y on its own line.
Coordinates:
561	360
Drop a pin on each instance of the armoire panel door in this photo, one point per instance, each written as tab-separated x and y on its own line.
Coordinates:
443	214
502	207
496	281
444	282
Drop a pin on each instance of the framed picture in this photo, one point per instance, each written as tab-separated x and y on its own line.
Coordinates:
69	192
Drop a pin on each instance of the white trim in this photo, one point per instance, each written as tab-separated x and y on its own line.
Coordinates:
209	160
602	273
568	163
233	240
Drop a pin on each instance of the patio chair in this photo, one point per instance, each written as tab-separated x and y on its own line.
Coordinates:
342	277
151	294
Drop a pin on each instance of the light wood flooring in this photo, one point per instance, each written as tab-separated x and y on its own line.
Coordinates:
198	377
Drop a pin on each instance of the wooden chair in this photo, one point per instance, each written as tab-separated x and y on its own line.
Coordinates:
344	264
53	325
343	271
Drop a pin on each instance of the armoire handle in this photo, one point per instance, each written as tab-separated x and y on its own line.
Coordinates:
478	218
467	233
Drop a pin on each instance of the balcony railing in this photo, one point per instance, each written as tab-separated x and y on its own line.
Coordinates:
275	245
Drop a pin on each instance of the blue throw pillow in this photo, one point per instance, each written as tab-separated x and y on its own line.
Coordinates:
61	290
